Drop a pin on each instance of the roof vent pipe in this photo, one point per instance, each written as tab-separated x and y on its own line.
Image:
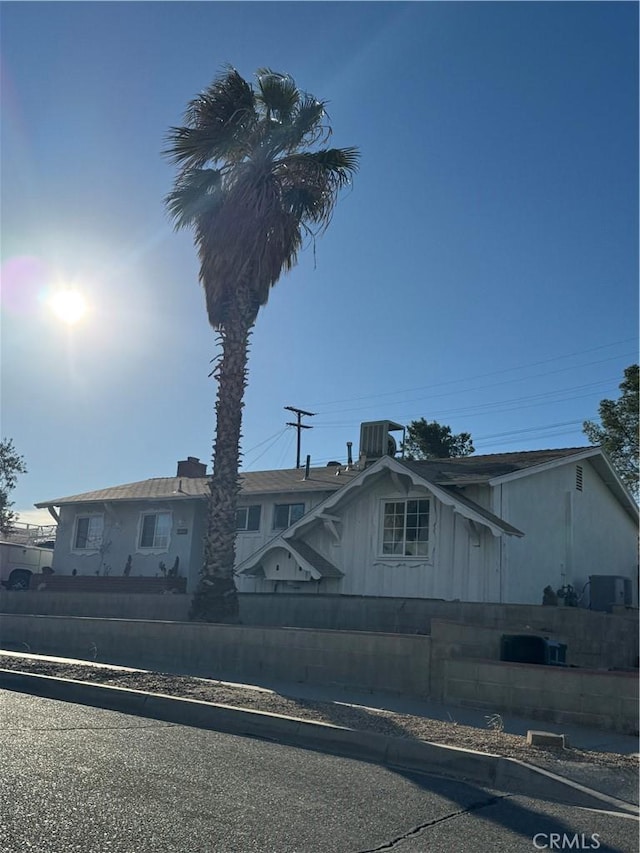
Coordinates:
306	467
349	455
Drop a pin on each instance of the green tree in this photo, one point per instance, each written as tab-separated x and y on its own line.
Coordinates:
11	464
254	180
617	432
431	440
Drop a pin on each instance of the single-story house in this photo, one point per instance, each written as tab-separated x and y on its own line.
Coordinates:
495	528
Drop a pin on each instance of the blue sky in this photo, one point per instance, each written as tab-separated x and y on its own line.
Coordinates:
482	271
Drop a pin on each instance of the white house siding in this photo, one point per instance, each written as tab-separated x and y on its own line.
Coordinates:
605	540
569	534
455	567
120	538
248	542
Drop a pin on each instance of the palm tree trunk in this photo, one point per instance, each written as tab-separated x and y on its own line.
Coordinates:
216	597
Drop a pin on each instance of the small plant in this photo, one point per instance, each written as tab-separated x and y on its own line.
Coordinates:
163	569
173	571
127	567
495	722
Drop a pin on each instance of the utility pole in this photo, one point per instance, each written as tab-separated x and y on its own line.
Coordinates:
299	426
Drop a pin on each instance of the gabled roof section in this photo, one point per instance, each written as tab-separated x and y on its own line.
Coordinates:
461	504
308	557
328	479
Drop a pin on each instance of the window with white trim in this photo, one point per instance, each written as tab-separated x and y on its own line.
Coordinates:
284	515
248	518
405	528
155	530
88	532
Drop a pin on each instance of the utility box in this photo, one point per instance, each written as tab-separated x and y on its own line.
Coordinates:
609	590
530	648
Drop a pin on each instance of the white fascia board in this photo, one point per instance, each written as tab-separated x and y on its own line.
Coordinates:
395	466
610	477
546	466
335	498
253	559
449	499
601	463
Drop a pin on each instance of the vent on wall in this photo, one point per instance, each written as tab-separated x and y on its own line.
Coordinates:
579	477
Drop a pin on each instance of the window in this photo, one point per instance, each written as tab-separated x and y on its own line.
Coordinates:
155	530
248	517
285	514
405	528
88	535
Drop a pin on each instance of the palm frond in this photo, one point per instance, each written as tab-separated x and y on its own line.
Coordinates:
268	191
222	102
219	124
278	93
195	192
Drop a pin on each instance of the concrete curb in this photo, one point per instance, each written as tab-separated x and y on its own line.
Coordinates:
494	771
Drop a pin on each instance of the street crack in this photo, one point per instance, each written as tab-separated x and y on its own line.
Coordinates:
473	807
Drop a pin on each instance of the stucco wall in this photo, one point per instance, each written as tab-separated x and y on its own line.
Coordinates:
121	535
120	539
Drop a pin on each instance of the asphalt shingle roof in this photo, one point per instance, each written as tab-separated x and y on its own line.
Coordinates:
444	472
480	469
252	483
320	563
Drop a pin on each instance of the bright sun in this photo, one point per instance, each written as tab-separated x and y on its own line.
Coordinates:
69	305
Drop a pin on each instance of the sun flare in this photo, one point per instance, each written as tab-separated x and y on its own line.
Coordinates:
69	306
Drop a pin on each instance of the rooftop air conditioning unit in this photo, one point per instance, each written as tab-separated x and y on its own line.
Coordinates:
376	440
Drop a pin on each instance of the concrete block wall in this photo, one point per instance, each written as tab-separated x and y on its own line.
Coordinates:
593	639
606	700
368	661
171	607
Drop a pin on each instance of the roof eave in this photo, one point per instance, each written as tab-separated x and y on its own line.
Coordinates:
587	453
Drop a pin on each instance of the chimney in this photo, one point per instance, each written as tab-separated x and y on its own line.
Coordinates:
349	454
191	467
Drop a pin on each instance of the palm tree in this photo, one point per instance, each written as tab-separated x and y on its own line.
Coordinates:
253	182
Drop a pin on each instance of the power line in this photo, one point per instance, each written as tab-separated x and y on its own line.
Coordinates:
491	373
602	384
475	388
266	450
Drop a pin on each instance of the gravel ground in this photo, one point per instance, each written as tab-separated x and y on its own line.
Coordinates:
611	772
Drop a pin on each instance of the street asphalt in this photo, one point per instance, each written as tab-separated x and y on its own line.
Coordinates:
78	779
